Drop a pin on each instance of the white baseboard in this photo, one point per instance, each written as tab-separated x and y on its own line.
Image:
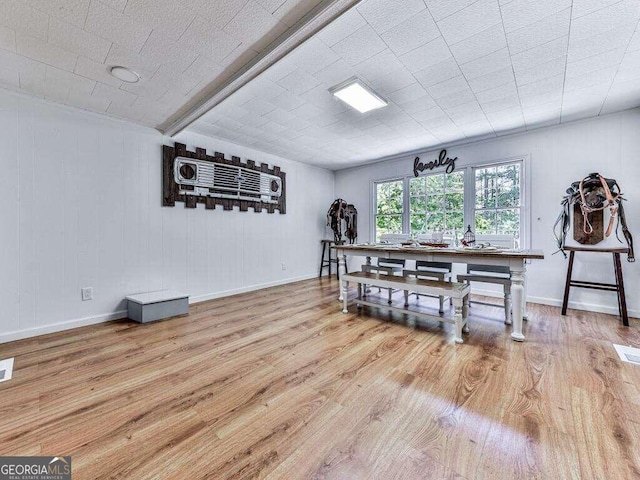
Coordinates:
557	302
59	327
117	315
250	288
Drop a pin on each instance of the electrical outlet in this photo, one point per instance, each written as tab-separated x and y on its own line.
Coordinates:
87	294
284	266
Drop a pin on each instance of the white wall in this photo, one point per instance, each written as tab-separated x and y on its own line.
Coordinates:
82	207
557	156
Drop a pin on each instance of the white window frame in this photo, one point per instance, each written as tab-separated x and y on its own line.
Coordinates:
469	193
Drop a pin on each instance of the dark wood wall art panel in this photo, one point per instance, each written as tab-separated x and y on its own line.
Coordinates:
195	177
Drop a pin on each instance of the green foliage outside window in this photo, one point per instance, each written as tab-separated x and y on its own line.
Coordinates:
389	208
436	203
498	200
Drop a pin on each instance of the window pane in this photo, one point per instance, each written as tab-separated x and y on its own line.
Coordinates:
417	186
388	224
485	222
418	204
435	183
455	182
508	222
435	222
454	201
508	186
454	220
485	188
435	203
389	197
418	223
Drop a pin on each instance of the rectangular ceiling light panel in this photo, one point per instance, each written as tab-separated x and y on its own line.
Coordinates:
357	95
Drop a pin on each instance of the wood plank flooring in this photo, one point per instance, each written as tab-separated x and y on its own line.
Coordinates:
280	384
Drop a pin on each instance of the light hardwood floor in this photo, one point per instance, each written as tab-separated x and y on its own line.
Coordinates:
279	384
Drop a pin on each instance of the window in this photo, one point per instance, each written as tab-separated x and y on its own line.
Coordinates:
389	208
436	203
491	198
498	203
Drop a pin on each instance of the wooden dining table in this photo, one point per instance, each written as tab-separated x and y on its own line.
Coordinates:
516	260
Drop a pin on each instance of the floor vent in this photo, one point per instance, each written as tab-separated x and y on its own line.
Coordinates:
628	354
6	369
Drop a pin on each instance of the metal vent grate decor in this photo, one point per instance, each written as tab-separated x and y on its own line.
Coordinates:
195	178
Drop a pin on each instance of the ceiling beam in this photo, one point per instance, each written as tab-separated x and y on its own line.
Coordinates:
320	16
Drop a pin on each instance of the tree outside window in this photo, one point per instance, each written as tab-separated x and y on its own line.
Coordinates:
436	203
389	207
498	205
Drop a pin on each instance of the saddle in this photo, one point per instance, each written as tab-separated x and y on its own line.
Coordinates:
590	198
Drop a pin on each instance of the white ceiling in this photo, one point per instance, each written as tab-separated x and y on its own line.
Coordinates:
62	49
451	70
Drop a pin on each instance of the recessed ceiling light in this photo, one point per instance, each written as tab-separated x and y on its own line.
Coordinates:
356	94
125	74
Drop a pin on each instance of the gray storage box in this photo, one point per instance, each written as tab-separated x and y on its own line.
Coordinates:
152	306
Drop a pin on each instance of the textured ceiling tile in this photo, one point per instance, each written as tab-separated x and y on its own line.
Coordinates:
506	90
542	71
209	41
479	45
335	73
287	101
418	105
357	47
307	111
259	107
520	13
634	44
504	103
588	47
476	129
71	11
216	12
393	81
540	103
115	95
9	78
313	56
606	59
584	7
487	64
70	80
535	56
427	55
7	39
239	57
598	77
341	28
96	71
438	73
113	25
455	99
281	69
540	32
76	40
46	53
453	85
470	21
115	4
379	65
271	5
166	17
298	82
252	23
605	19
140	64
411	33
383	15
406	94
447	133
443	8
86	101
497	78
292	11
466	113
24	19
280	116
551	85
160	50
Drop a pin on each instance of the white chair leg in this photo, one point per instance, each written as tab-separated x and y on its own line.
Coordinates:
465	314
345	291
507	305
458	319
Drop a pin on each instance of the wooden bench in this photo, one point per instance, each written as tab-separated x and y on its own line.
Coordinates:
458	292
152	306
